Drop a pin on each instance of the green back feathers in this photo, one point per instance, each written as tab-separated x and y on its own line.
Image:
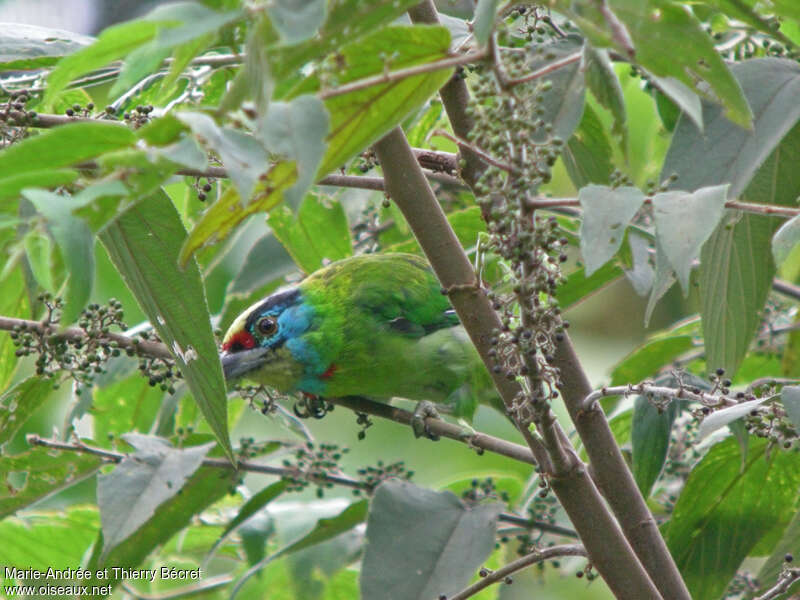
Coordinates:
399	290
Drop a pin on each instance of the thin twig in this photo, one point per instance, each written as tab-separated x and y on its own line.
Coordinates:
546	70
518	565
786	288
682	393
217	463
482	153
400	74
534	524
785	580
141	347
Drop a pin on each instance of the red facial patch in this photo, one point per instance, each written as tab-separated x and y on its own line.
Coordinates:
241	340
329	372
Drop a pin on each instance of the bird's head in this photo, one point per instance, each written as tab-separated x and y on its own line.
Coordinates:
265	343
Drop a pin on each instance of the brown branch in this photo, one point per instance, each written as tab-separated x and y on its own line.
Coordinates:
455	97
518	565
477	440
786	288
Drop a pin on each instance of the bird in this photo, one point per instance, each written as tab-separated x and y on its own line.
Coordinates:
372	325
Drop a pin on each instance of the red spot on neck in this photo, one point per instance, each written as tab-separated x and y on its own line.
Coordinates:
329	372
241	340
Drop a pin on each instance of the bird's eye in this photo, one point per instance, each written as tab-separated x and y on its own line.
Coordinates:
267	325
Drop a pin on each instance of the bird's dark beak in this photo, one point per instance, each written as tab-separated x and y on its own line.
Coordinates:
239	363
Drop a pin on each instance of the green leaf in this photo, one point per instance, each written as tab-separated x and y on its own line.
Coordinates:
578	286
129	496
563	103
114	43
683	97
348	20
48	539
725	508
684	221
225	214
296	130
663	278
606	213
785	239
76	242
359	118
325	529
604	84
45	470
144	243
736	266
647	359
63	146
18	403
483	23
790	397
587	154
423	544
24	47
650	435
14	302
205	487
10	187
657	24
38	249
297	20
328	528
320	232
641	273
244	158
724	153
255	504
130	404
188	22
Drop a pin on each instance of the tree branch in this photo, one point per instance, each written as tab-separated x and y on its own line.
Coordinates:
607	547
518	565
477	440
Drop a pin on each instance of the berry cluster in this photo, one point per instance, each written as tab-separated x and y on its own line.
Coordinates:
82	357
372	476
312	464
510	124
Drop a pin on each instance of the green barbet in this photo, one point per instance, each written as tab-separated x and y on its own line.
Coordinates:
375	325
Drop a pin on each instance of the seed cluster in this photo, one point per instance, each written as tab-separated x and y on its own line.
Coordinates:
312	463
81	358
511	129
372	476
